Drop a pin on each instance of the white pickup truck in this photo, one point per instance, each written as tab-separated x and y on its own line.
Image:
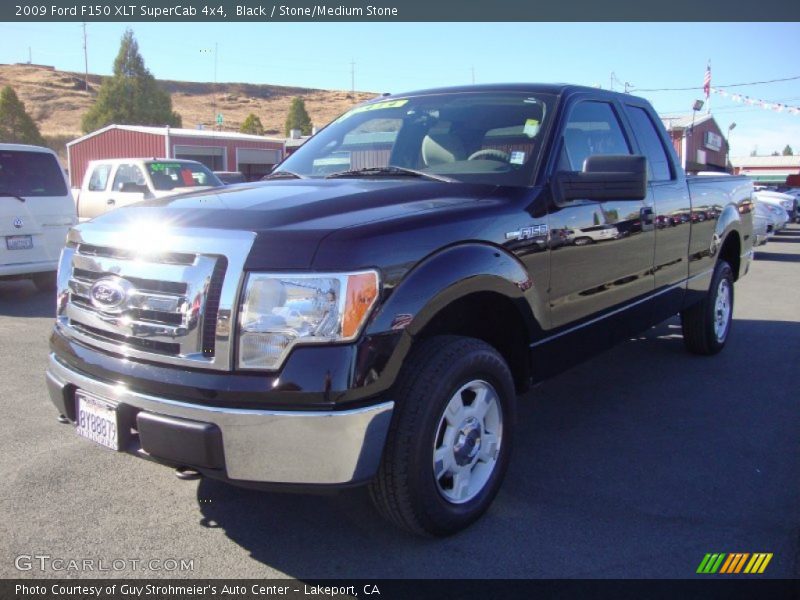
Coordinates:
112	183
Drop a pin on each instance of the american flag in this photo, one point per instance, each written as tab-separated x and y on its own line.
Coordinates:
707	81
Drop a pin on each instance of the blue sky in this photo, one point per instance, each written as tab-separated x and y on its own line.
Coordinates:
397	57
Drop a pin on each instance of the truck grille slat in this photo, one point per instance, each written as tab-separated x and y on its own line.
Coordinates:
169	258
145	344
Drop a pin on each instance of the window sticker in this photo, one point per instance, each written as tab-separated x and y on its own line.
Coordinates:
163	166
517	158
371	107
531	128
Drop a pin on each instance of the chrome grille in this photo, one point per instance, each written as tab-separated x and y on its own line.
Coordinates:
171	304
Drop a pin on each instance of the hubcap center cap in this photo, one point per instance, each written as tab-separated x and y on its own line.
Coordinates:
467	442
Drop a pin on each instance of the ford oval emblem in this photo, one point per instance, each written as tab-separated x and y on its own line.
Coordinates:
18	223
110	293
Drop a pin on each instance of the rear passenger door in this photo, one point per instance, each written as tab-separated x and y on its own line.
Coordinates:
671	202
608	261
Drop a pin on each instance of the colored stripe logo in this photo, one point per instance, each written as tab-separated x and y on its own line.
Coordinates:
734	563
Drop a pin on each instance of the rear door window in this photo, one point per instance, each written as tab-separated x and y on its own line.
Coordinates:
649	140
31	174
99	179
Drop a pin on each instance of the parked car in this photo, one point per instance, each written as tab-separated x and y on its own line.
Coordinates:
373	325
230	177
36	211
785	201
112	183
795	192
778	217
763	224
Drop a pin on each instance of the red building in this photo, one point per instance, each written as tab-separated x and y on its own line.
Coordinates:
253	155
769	170
698	141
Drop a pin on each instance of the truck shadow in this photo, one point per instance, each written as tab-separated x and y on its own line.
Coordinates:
22	299
632	455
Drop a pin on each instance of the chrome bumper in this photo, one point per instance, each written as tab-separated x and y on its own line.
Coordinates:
263	445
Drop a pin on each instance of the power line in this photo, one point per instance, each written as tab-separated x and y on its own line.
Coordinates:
729	85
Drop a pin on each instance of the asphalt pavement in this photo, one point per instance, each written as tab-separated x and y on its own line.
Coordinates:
634	464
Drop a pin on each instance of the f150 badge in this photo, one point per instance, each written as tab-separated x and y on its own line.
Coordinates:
110	293
527	233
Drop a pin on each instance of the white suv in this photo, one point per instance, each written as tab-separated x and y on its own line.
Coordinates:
36	211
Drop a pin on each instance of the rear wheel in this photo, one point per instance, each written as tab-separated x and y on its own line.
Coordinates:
706	325
450	439
45	282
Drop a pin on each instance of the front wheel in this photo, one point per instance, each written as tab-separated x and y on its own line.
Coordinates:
450	439
706	325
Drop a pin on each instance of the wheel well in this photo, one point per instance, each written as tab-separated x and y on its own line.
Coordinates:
493	318
731	252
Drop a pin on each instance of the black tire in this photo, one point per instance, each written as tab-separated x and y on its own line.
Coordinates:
703	332
45	282
405	489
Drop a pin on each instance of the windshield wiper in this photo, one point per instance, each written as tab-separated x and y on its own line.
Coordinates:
20	198
283	175
389	172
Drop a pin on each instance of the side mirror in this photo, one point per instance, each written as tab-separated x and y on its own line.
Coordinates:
131	187
604	177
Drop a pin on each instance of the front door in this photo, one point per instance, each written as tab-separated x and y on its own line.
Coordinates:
606	260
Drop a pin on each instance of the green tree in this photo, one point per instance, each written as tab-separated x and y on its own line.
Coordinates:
298	118
132	95
16	125
775	153
252	124
788	151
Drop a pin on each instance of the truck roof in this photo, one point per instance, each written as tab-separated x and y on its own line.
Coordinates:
547	88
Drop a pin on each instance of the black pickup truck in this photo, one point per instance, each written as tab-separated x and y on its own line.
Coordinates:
370	313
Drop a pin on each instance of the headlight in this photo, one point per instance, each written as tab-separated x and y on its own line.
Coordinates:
280	311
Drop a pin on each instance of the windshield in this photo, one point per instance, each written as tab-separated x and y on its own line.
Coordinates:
477	137
170	175
31	174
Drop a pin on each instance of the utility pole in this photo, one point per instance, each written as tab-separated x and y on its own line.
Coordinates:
214	120
85	61
611	81
353	78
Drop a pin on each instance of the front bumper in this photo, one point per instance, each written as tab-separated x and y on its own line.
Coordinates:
241	445
28	268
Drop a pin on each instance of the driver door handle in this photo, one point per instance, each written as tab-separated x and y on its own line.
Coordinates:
111	202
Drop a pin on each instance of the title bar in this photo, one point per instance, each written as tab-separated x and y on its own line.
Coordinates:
399	11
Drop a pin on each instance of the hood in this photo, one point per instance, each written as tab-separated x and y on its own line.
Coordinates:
291	218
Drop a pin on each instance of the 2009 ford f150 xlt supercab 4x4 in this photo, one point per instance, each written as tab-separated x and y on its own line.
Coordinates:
369	315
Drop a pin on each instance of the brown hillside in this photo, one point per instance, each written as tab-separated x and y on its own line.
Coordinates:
57	100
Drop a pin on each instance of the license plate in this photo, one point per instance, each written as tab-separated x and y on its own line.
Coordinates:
19	242
97	420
